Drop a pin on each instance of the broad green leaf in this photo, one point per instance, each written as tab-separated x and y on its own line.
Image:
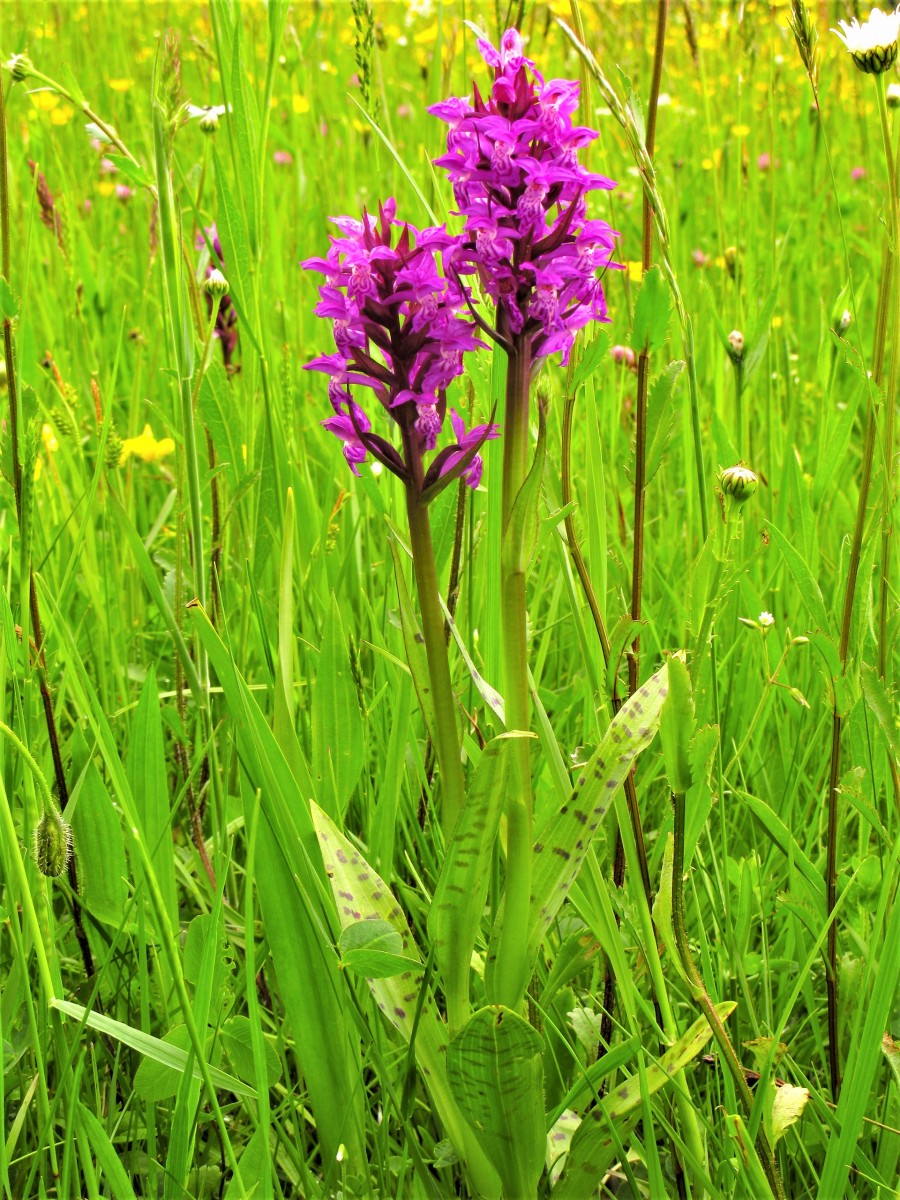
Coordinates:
155	1081
338	742
661	413
237	1041
496	1075
216	413
662	911
147	776
458	905
803	578
592	356
651	313
102	863
520	538
676	726
878	702
593	1148
373	949
151	1047
788	1104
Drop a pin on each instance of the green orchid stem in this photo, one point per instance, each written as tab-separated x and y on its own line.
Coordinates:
446	735
511	968
700	994
891	391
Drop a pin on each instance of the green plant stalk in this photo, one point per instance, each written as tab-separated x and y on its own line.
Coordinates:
511	965
887	292
742	441
446	735
891	391
700	994
27	580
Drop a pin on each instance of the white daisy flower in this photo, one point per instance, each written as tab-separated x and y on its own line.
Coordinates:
873	44
766	620
208	116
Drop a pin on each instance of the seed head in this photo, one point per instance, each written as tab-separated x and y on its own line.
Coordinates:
215	284
52	844
739	483
807	40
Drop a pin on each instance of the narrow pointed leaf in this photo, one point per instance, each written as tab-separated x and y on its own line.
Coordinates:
564	841
593	1148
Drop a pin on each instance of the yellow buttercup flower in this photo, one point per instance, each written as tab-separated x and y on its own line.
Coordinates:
44	101
62	115
146	447
121	85
300	104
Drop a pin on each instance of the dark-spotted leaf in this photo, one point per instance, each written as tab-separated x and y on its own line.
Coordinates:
593	1148
496	1075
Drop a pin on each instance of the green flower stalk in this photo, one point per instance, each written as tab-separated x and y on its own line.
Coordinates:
513	162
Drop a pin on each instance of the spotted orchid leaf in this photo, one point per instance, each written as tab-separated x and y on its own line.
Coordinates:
564	840
495	1070
593	1148
360	894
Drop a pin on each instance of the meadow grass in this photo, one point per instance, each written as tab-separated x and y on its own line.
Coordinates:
223	622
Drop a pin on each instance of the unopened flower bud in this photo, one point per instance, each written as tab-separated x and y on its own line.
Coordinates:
736	344
52	844
623	355
739	483
845	321
800	641
893	95
215	284
19	66
731	258
209	122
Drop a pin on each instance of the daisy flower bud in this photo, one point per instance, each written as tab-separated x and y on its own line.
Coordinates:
872	44
215	284
52	844
739	483
736	345
19	66
845	321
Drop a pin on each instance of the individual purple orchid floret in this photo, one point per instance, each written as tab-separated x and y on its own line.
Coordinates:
513	162
399	331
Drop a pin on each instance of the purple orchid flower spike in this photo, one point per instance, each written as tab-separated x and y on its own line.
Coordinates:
400	331
513	162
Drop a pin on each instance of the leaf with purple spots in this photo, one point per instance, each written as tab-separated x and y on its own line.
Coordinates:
496	1073
564	840
593	1149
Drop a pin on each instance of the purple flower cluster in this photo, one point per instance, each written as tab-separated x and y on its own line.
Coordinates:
513	164
226	315
398	330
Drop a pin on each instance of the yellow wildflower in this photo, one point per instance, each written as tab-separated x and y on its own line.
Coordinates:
62	115
146	447
300	104
51	445
44	101
121	85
